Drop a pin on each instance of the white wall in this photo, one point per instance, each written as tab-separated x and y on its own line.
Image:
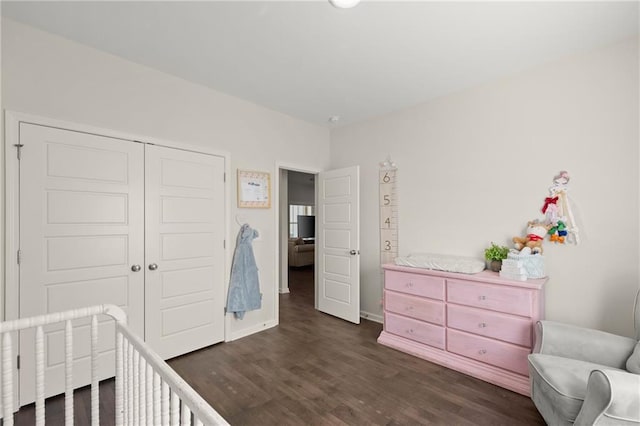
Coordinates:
475	166
47	75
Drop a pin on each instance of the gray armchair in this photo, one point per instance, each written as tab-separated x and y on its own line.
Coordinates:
585	377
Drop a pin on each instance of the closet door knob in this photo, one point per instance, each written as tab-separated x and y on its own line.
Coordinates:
136	268
153	267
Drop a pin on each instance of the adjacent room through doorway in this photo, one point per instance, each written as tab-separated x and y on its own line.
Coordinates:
297	229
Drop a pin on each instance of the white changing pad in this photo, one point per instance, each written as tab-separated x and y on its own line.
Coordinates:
442	262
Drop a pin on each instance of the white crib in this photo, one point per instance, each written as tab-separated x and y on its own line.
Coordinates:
147	390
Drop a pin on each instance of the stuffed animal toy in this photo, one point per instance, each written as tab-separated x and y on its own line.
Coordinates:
536	231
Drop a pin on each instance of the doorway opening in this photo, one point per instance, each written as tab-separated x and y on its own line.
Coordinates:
297	213
336	277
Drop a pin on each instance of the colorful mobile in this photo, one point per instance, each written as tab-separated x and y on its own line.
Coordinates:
557	211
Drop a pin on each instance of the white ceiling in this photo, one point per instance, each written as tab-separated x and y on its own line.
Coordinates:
312	61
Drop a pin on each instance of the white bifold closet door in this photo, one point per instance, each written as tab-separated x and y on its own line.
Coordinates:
106	220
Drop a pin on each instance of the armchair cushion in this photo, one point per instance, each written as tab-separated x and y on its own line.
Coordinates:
633	363
560	385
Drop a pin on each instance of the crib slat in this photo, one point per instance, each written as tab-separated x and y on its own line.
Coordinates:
7	380
136	387
186	414
39	376
175	409
165	404
95	392
68	376
156	398
125	378
197	422
149	391
142	372
129	412
119	378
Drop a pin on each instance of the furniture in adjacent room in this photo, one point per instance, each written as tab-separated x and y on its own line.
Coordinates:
478	324
585	377
301	253
306	226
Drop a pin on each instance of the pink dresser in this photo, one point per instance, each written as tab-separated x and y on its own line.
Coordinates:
479	324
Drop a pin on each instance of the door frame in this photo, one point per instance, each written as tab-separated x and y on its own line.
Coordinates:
12	121
279	264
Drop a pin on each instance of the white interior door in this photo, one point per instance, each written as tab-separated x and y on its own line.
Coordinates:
338	243
81	230
184	267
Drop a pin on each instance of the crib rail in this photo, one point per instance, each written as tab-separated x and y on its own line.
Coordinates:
147	390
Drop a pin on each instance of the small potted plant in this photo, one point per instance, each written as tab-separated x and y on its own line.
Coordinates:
494	256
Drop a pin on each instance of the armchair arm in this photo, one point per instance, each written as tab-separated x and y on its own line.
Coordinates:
569	341
613	397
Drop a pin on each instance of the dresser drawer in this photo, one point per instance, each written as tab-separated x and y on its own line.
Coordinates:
511	300
419	285
414	307
500	354
491	324
419	331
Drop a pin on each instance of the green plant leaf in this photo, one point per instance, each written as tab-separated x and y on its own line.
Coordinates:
496	252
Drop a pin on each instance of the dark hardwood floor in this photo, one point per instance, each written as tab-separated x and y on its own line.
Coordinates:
314	369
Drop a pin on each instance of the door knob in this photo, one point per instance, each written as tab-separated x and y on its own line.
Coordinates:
136	268
153	267
353	252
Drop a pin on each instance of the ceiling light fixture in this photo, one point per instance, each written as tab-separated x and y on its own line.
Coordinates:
334	119
344	4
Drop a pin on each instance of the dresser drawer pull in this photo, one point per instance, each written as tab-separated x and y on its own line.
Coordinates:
482	297
410	331
482	351
482	325
409	284
408	308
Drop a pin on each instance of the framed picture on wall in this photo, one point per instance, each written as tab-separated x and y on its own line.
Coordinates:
254	189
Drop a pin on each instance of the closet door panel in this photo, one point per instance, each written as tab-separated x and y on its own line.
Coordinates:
81	229
184	299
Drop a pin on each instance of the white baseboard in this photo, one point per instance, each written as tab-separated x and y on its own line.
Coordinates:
283	290
371	317
252	330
